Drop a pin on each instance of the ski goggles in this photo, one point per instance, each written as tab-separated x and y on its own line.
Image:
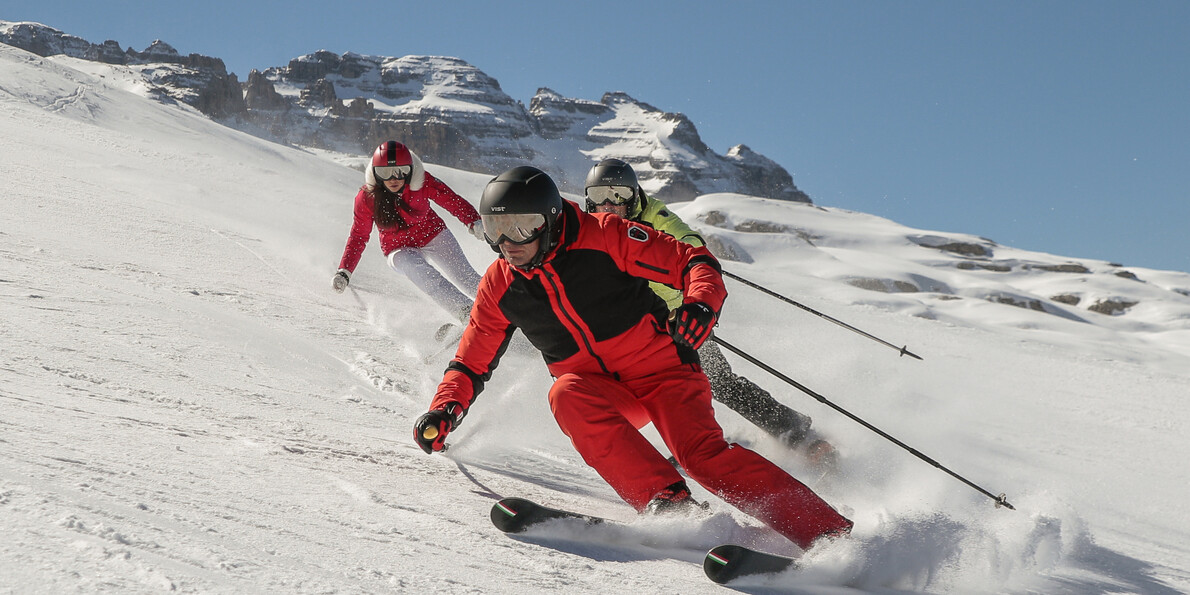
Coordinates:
616	195
385	173
517	228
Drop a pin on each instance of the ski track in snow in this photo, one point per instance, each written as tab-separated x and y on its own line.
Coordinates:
188	407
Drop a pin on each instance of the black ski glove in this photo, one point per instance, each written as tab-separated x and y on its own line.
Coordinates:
430	430
691	324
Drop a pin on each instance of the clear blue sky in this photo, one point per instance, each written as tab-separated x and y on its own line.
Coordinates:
1058	126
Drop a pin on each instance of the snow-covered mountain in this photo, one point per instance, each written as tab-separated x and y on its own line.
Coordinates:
459	116
446	109
187	406
195	80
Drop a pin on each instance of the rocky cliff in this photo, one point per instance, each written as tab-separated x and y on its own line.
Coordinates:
197	80
449	111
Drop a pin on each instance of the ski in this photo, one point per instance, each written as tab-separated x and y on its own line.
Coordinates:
515	515
722	564
729	562
447	336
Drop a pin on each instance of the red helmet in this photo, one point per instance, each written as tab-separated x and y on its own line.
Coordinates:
391	153
392	160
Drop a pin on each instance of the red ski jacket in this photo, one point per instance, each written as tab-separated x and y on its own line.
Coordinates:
424	223
587	307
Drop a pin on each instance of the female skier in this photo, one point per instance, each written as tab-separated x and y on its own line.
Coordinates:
396	198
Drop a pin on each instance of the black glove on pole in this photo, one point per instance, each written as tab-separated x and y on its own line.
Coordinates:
430	430
691	324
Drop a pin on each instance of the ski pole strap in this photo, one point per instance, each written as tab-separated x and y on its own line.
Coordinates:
1000	500
903	350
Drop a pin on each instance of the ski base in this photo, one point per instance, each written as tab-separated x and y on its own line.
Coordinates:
515	515
728	562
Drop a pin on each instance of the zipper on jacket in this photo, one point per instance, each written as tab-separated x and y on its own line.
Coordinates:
578	329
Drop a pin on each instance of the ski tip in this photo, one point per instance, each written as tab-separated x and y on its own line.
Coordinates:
516	515
726	563
506	513
718	563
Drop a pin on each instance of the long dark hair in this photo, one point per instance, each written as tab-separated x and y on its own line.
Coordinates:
389	206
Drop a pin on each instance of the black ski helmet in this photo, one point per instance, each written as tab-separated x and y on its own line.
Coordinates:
612	172
525	190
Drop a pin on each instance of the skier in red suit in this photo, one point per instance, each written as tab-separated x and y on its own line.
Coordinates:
576	284
396	197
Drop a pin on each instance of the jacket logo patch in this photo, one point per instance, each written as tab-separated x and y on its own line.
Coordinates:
637	234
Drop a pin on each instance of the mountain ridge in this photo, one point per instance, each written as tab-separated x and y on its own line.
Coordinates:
446	109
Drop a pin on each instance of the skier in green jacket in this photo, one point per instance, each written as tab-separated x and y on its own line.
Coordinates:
612	187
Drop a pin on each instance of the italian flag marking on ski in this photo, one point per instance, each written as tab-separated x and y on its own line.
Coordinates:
505	509
712	556
726	563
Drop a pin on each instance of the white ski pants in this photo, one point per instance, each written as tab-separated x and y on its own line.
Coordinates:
426	267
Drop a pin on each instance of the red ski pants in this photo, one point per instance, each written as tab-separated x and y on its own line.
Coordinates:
601	415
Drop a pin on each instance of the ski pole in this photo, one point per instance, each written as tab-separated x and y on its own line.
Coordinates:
904	350
1000	500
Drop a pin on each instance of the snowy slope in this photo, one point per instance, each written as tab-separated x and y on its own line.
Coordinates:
187	406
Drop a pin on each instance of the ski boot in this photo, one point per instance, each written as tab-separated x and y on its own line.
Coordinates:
676	499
